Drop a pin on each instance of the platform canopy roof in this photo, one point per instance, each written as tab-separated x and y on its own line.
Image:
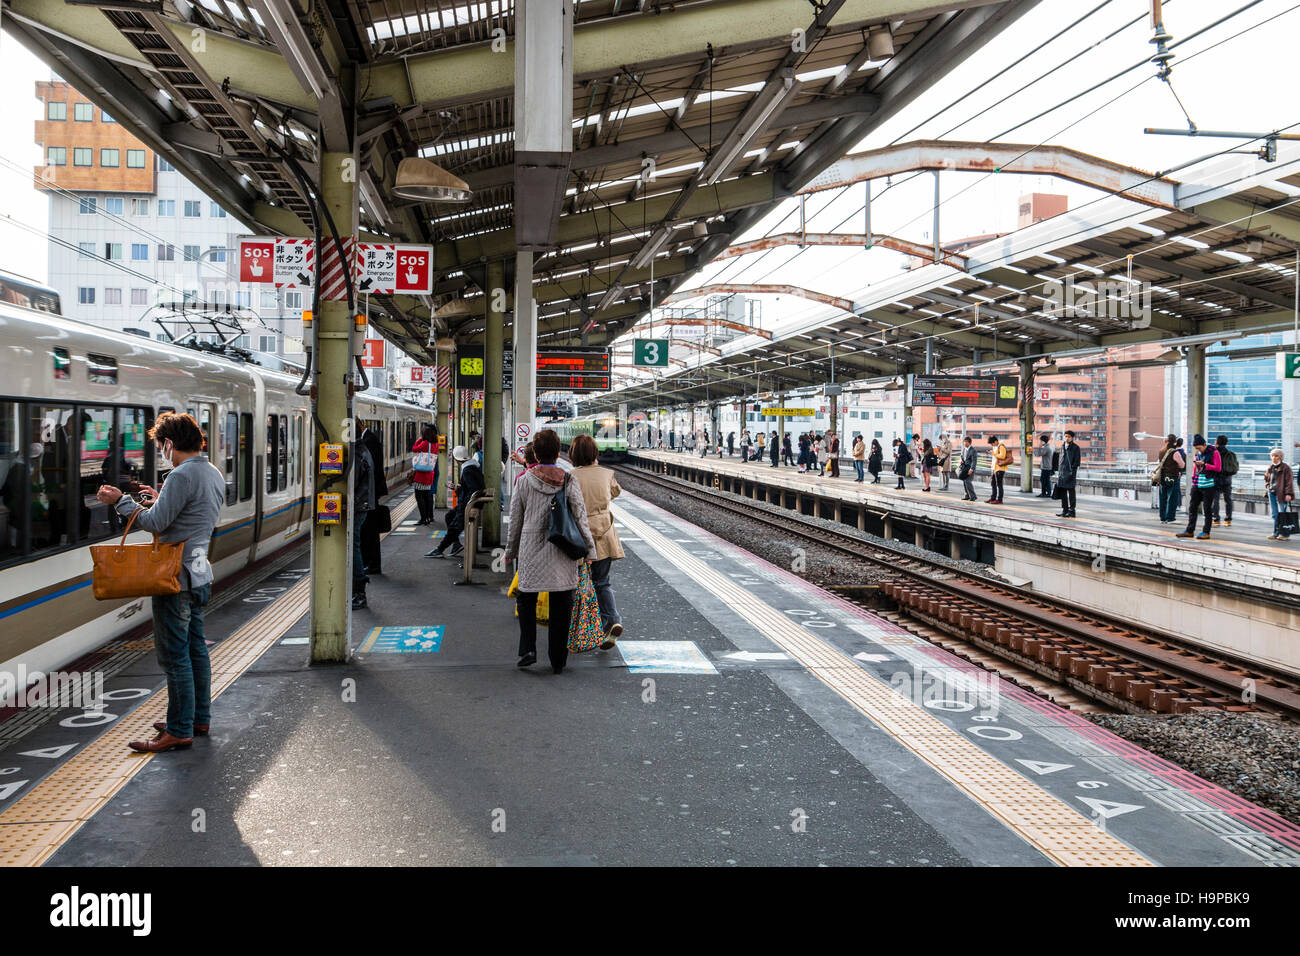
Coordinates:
1215	250
734	105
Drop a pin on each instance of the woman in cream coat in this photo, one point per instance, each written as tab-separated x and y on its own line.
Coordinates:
599	487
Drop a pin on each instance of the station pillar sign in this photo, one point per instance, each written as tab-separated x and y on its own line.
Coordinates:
1288	364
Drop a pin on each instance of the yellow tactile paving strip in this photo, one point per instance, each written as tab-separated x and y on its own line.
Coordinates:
1056	829
52	811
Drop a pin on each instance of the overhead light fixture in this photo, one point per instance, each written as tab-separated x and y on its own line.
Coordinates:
1051	368
610	295
880	45
751	123
652	247
1170	357
426	181
453	308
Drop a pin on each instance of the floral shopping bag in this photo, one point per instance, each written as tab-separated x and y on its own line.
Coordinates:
585	631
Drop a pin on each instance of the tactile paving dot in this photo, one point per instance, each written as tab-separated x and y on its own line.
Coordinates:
27	844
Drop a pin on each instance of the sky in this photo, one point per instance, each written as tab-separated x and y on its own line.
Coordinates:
1246	83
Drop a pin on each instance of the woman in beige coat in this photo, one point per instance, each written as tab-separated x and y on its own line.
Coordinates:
541	565
599	487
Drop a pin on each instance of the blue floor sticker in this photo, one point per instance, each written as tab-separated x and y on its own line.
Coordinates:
426	639
664	657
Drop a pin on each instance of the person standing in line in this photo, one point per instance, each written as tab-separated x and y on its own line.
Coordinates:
186	510
915	450
816	451
787	452
364	501
997	477
731	444
833	453
774	449
901	458
1169	472
1205	482
945	460
929	460
760	443
1279	480
966	470
424	474
370	549
859	457
1178	488
1068	474
875	461
541	565
599	488
804	446
1230	466
1045	460
672	440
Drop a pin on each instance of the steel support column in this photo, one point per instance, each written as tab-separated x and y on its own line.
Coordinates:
442	396
525	336
1026	425
331	547
494	347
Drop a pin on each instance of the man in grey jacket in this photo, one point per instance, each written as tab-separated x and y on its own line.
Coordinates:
185	510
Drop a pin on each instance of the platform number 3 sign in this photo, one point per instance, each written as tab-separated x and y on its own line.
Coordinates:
652	352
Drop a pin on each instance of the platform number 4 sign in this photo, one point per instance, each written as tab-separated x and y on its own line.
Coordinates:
653	352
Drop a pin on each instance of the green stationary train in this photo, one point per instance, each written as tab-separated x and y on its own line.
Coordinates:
609	431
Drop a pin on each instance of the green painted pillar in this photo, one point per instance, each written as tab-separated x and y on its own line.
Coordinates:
1026	425
331	551
443	400
493	348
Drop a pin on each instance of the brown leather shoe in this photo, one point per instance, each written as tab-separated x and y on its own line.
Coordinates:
200	730
164	741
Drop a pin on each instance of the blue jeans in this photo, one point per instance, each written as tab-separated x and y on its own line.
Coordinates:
1274	505
858	466
183	655
1168	501
605	592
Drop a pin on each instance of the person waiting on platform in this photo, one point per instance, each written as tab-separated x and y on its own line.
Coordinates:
185	510
424	473
541	565
945	460
1279	481
1205	482
365	498
1067	475
1169	472
760	443
787	451
471	481
731	444
966	470
915	450
599	488
833	453
774	449
370	534
804	448
1046	457
875	461
902	456
1230	466
859	457
1001	462
929	462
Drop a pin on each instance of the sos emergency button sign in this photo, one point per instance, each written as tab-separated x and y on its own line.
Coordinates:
386	268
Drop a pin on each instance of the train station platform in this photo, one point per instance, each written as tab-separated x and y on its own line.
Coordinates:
1238	591
746	718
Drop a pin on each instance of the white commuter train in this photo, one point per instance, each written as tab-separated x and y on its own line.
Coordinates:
76	404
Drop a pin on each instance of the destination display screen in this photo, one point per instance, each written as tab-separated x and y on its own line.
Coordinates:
957	391
573	369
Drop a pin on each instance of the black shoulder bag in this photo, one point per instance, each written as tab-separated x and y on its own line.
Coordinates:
564	532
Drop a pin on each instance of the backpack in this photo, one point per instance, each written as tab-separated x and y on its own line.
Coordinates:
1228	463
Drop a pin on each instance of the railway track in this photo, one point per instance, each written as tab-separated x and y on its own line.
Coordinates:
1103	658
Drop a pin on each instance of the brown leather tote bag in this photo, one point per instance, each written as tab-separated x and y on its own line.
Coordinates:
136	570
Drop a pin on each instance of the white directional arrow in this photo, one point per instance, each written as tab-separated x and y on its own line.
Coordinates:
52	753
870	658
1110	808
1042	767
756	656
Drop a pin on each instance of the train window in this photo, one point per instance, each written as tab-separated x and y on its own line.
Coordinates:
282	453
410	435
62	364
295	447
102	369
231	441
205	426
272	439
16	460
133	429
96	466
245	456
49	469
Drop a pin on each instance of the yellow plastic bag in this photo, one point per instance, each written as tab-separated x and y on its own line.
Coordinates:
543	601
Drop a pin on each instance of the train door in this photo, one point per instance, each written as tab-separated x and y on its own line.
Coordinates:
207	414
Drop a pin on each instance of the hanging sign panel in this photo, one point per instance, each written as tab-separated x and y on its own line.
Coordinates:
385	268
982	391
275	260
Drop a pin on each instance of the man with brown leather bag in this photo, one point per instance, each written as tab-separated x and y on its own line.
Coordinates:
186	510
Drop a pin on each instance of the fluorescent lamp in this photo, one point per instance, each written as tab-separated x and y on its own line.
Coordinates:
751	123
652	247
